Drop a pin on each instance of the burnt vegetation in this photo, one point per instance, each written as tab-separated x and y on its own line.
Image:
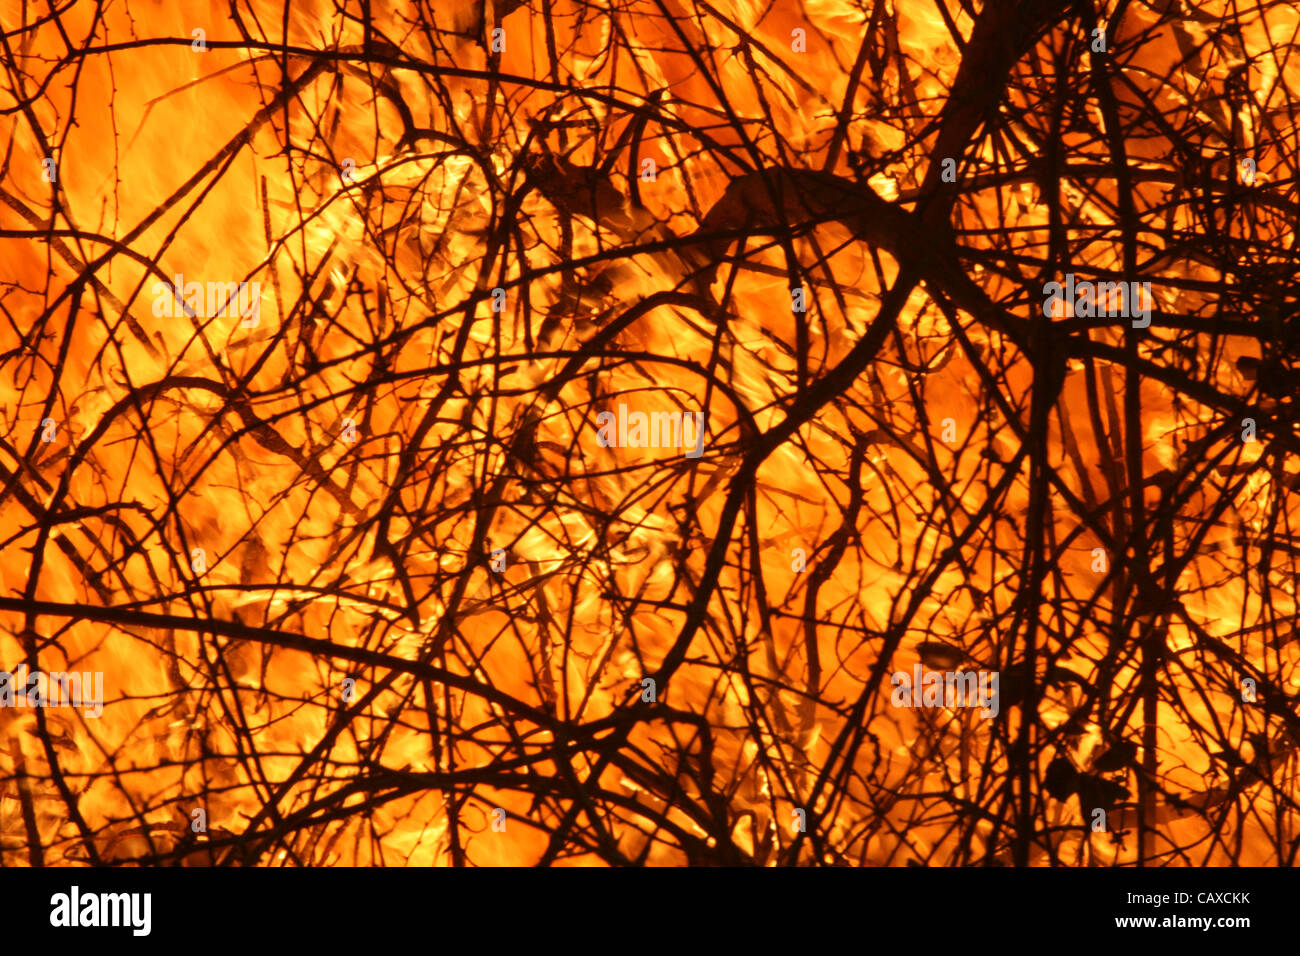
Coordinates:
360	575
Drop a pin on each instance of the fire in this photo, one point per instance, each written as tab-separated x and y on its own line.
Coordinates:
535	433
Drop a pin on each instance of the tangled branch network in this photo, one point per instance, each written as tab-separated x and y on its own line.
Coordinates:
531	432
